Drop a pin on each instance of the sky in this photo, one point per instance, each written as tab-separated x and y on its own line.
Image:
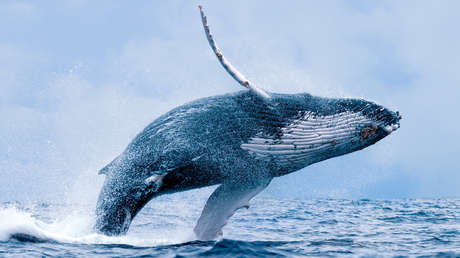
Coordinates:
79	79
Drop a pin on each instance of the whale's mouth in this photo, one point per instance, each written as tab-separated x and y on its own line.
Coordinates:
385	120
375	132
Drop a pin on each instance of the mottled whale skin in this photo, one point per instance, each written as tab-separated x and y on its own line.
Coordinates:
240	141
235	139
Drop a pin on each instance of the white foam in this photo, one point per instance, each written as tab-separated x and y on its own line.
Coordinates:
13	221
76	228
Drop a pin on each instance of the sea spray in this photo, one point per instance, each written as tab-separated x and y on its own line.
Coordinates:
16	222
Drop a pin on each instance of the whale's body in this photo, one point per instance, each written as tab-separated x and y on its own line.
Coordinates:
239	141
234	139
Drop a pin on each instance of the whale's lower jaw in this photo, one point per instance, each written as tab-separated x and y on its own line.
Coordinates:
311	139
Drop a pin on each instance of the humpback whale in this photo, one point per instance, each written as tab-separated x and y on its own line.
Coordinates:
239	141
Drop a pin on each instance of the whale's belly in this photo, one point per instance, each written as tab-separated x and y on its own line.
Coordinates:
189	177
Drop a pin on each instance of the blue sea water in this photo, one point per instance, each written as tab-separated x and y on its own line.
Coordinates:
270	227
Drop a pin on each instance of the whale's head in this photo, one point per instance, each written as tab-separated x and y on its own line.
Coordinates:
361	122
315	129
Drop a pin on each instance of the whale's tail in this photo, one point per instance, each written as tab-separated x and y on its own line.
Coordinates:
122	197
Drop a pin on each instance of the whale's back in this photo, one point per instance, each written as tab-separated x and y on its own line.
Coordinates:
204	127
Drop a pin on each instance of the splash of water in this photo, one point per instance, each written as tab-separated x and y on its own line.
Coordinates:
29	224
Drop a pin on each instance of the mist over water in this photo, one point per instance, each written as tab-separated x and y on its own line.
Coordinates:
79	80
74	94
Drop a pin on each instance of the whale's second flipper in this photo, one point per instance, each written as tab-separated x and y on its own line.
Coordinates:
154	182
222	204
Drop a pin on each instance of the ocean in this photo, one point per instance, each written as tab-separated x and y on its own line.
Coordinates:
269	228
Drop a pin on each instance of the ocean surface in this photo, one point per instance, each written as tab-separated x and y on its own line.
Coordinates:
270	227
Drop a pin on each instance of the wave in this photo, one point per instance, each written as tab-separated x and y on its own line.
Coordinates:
17	224
21	225
270	228
74	234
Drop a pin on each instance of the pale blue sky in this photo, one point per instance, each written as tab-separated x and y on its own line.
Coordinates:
79	79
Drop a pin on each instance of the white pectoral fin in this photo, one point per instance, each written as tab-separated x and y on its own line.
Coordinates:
222	204
227	65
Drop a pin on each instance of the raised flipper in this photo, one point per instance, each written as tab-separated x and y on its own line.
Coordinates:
222	204
239	77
